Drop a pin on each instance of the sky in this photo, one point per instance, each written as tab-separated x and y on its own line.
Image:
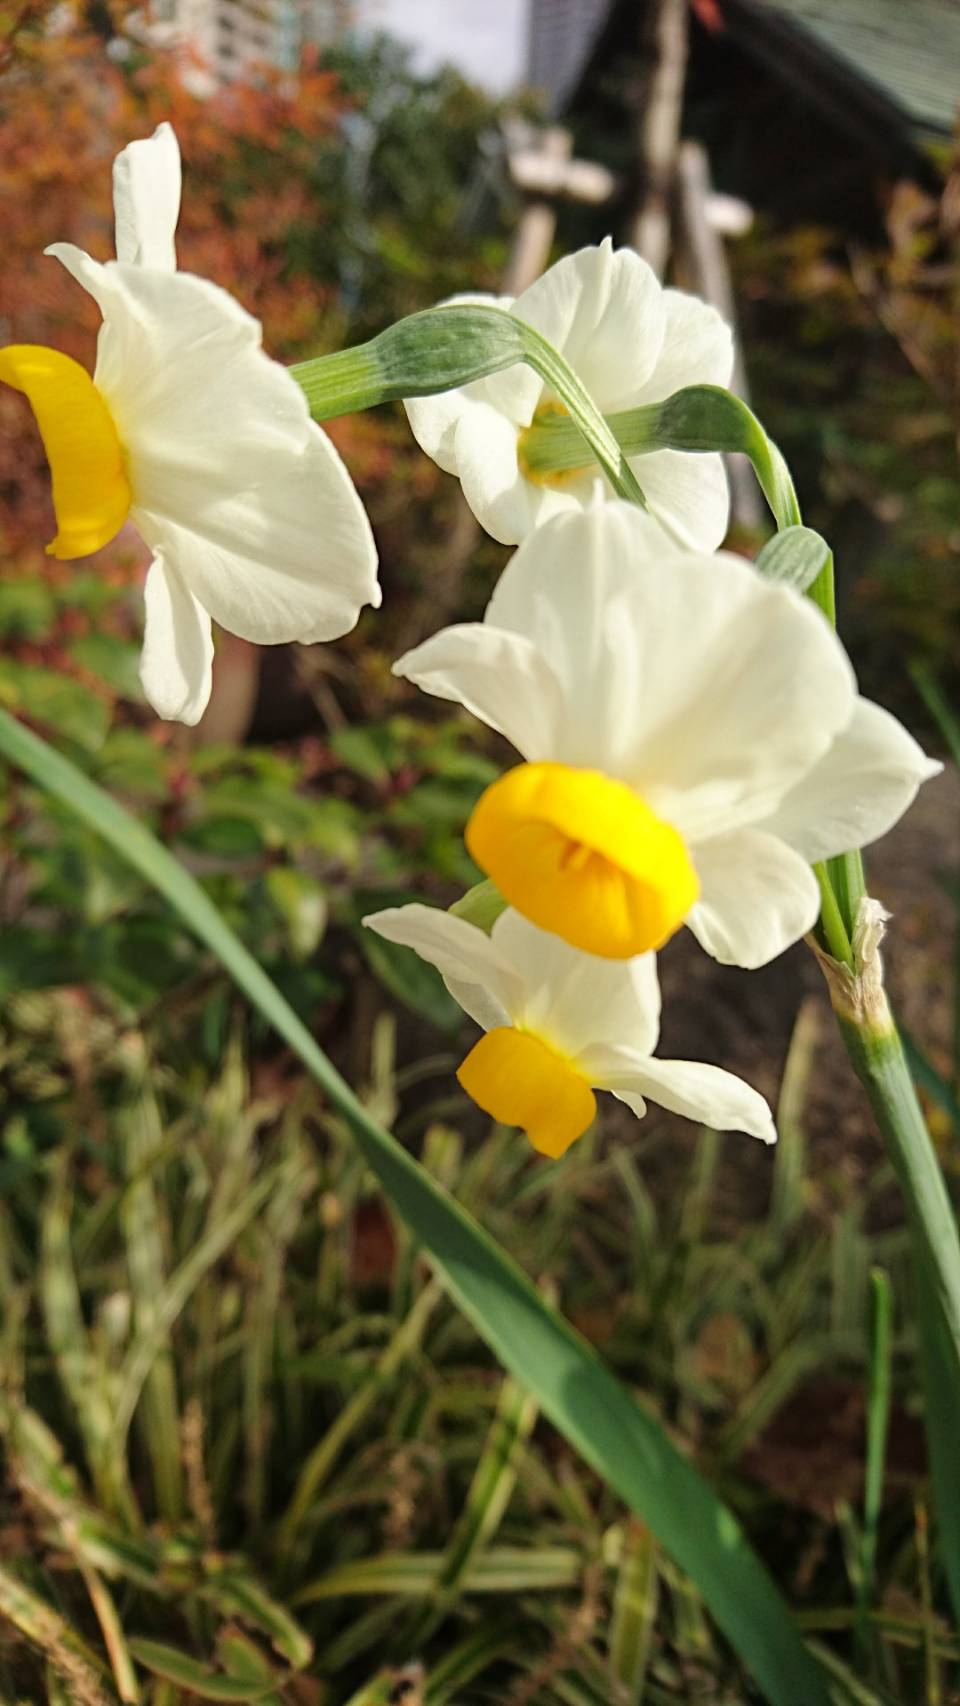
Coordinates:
485	39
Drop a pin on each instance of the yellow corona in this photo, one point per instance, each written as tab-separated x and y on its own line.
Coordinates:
91	487
583	856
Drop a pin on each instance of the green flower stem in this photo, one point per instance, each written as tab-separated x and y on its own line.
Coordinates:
849	884
698	418
442	349
879	1062
875	1049
832	927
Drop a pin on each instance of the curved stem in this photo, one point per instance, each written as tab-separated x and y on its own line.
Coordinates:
442	349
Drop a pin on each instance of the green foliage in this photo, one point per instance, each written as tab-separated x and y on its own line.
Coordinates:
319	1472
871	443
208	1252
293	864
393	177
630	1451
292	868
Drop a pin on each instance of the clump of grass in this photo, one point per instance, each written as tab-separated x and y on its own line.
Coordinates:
253	1453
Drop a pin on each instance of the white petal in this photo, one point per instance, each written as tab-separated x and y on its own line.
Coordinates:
707	689
630	343
501	678
697	348
171	354
177	657
603	310
858	790
477	975
282	554
688	494
699	1092
434	422
757	897
577	1002
146	200
506	504
232	482
745	686
572	590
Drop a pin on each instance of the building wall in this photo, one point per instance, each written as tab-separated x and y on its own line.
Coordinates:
231	35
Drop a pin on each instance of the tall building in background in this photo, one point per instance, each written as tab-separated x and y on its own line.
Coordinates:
231	35
562	32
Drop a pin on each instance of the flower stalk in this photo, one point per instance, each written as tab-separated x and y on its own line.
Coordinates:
878	1059
442	349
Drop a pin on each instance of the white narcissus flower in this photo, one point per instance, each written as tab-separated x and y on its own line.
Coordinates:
630	342
693	740
193	433
560	1024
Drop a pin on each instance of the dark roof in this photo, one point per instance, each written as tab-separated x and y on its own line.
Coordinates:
908	49
890	64
562	35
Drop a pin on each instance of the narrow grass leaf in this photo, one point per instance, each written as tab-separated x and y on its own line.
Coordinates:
501	1569
938	705
487	1499
795	1363
81	1373
325	1453
240	1596
940	1419
850	1690
240	1658
634	1613
174	1297
929	1080
141	1134
789	1157
69	1654
878	1421
197	1678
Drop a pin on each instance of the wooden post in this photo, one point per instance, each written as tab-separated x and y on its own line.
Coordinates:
701	265
658	130
534	235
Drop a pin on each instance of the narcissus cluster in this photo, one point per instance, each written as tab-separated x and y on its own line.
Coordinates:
690	735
